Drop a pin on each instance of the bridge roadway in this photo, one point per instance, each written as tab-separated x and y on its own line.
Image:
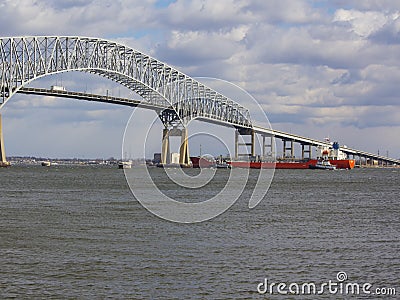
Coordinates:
158	108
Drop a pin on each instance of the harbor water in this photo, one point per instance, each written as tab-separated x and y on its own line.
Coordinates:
76	232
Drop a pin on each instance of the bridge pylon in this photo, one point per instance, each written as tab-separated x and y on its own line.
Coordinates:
165	150
288	150
268	147
3	160
184	159
306	149
245	132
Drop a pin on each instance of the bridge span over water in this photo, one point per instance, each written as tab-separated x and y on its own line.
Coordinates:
176	97
267	132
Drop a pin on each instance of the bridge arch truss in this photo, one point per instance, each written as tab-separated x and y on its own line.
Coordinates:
24	59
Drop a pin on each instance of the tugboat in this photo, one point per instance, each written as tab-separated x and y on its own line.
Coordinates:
221	163
323	165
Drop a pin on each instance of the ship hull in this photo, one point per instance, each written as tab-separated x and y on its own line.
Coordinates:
270	165
343	163
201	162
340	164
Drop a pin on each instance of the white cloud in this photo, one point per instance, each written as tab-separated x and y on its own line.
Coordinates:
364	23
367	5
206	14
286	11
94	18
196	47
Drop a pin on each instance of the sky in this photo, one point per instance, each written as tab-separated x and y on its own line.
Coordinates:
317	68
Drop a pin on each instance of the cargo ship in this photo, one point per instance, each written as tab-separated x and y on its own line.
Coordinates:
203	162
209	162
272	165
333	154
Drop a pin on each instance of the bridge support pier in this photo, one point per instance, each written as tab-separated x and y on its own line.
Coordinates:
288	148
3	160
270	146
184	159
165	151
359	160
245	132
304	151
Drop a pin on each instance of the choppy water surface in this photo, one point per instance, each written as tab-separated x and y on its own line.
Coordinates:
77	232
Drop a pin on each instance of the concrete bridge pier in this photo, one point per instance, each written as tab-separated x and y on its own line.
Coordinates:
238	146
305	151
287	148
360	159
184	159
268	150
165	150
3	160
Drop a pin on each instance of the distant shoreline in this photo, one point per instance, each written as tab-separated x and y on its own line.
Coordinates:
33	160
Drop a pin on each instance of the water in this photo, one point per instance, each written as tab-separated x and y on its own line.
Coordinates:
76	232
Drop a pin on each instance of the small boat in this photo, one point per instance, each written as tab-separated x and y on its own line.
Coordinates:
46	163
223	165
125	165
323	165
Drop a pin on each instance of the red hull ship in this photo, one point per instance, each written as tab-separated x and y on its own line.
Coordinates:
202	162
340	164
332	153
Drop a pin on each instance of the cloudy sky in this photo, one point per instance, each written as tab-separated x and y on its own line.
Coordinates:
318	68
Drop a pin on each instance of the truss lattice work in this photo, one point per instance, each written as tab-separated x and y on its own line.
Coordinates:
24	59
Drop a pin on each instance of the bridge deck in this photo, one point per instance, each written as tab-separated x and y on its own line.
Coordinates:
91	97
158	108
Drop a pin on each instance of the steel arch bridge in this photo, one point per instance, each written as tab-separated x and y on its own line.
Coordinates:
176	97
24	59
